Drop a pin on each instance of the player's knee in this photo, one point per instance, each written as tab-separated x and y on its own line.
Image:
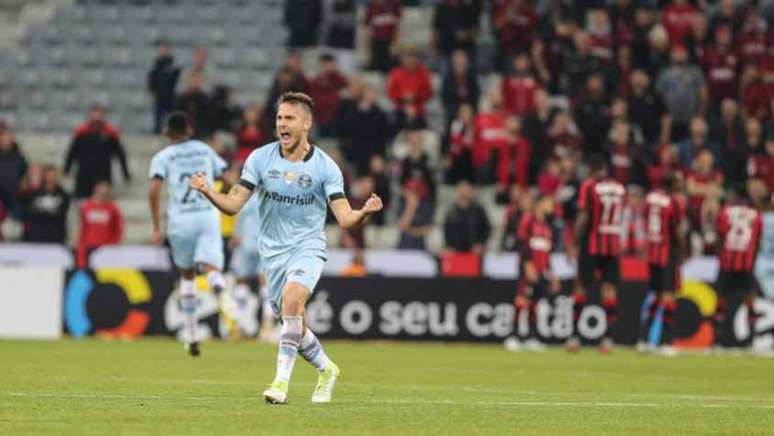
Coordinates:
294	298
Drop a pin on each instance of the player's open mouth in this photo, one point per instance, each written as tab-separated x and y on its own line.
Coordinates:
284	136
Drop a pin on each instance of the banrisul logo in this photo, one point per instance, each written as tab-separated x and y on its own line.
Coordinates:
297	200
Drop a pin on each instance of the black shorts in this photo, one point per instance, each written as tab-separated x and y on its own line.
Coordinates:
666	277
732	282
594	268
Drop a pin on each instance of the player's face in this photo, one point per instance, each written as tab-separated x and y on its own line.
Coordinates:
293	124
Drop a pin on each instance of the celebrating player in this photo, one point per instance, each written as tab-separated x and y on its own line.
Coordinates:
193	225
598	239
666	228
739	230
535	237
295	181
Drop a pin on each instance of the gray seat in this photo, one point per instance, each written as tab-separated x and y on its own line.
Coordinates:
29	77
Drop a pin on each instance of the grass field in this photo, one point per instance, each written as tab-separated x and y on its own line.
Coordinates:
151	387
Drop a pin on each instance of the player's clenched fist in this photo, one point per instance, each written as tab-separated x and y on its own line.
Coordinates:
199	182
373	204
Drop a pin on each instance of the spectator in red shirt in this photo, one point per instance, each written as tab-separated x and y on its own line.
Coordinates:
721	66
761	166
101	223
513	159
564	135
550	180
515	26
409	88
678	18
519	88
383	20
326	89
668	162
249	135
757	94
753	39
703	182
601	36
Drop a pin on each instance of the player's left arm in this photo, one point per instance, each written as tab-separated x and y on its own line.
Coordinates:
350	218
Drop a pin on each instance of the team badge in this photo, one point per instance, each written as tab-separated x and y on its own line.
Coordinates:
305	181
274	174
290	177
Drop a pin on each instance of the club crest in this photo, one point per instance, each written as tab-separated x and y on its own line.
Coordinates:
305	181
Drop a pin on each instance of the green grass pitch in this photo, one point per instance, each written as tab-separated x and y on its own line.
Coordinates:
151	387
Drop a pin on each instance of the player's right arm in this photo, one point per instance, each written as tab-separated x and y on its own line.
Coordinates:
230	203
157	174
153	197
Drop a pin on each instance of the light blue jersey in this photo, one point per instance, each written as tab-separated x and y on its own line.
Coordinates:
292	199
193	223
292	205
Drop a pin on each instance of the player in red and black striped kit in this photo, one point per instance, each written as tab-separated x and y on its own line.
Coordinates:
739	230
598	241
665	231
535	241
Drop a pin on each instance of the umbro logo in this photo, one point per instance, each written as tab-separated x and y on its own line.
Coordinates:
296	272
274	174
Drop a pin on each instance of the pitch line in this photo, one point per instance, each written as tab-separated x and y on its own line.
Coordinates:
514	403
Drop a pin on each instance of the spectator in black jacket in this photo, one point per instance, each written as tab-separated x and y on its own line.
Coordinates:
94	145
466	227
197	105
455	26
381	181
13	167
162	80
341	19
459	85
303	18
44	210
364	129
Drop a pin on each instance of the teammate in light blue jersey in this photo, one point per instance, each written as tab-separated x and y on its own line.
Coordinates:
192	223
246	265
294	183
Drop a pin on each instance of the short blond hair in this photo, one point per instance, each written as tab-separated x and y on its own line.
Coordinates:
298	98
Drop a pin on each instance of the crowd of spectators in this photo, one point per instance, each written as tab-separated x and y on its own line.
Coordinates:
655	86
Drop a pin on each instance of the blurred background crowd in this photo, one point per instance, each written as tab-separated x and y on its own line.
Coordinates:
458	113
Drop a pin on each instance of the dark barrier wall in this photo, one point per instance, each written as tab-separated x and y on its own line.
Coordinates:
128	303
452	310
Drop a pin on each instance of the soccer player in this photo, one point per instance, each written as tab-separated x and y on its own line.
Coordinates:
294	181
739	230
535	237
665	234
193	224
246	264
597	240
